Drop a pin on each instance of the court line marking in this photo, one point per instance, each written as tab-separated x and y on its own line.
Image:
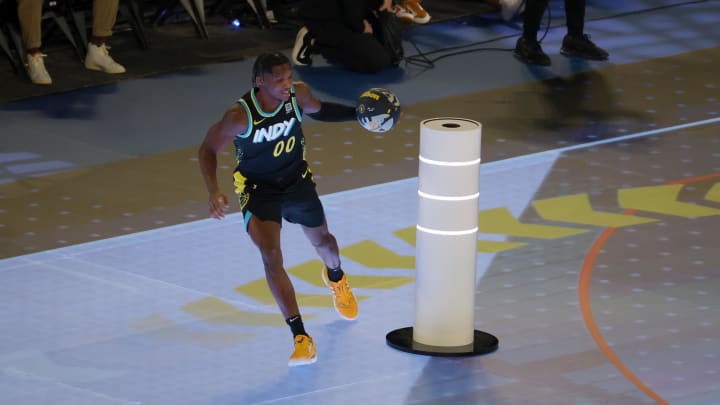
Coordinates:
586	307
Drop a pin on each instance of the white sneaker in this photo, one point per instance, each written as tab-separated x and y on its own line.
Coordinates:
98	58
509	9
36	69
302	49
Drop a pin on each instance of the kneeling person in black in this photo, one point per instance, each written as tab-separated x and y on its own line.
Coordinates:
273	181
349	33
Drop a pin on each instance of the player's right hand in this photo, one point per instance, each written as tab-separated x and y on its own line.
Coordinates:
217	205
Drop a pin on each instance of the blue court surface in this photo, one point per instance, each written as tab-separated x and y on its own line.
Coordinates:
598	222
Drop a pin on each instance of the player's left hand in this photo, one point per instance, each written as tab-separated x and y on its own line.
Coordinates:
387	5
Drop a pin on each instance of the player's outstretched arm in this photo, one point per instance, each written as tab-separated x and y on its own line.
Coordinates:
322	110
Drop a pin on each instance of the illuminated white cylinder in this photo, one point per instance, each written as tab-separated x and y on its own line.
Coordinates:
446	242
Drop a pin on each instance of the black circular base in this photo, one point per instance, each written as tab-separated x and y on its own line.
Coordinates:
402	339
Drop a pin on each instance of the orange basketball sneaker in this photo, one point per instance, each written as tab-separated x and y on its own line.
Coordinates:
304	353
344	300
420	15
410	11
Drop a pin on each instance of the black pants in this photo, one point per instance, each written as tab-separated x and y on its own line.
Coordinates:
358	52
535	9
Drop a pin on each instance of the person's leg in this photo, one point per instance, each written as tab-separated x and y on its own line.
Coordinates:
534	11
358	52
98	57
387	31
266	236
30	18
303	207
575	17
527	48
324	243
104	18
576	43
332	274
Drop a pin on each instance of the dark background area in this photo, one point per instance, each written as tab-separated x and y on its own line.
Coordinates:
173	42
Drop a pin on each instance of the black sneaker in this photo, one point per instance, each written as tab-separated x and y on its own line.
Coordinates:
582	47
302	50
530	52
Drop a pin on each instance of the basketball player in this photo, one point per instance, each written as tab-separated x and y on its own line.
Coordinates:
273	181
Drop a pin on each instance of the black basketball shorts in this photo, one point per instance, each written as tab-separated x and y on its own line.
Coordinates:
300	205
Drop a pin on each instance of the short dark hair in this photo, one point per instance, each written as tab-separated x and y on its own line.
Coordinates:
266	62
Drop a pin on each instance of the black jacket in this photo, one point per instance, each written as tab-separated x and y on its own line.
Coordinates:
350	12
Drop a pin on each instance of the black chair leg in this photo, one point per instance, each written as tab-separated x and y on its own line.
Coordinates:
132	13
260	13
78	20
197	17
62	23
165	8
13	57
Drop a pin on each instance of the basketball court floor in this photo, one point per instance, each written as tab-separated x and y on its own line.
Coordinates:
597	256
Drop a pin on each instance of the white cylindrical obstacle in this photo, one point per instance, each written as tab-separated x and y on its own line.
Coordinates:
446	242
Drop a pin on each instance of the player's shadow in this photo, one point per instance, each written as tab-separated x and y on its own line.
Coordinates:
344	84
74	105
334	345
583	105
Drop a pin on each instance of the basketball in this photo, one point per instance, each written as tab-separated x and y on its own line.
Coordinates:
378	110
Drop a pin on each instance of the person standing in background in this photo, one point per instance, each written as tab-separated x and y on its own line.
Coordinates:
575	43
346	33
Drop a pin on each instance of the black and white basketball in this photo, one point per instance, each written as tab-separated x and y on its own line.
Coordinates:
378	110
